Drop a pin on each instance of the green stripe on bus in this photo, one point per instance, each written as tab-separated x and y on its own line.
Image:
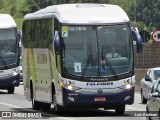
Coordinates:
32	65
50	63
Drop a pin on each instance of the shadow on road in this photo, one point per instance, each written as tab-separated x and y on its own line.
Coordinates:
89	113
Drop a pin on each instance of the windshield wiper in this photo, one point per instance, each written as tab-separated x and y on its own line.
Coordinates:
110	66
86	66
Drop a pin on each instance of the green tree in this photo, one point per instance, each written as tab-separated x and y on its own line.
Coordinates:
16	8
1	4
22	8
146	11
122	3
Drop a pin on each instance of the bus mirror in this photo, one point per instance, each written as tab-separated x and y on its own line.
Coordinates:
57	42
138	40
19	35
19	38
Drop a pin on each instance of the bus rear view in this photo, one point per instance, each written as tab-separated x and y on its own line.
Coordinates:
9	55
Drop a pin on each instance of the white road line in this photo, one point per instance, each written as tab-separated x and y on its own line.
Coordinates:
6	104
65	118
132	108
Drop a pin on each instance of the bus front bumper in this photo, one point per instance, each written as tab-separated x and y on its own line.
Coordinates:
108	101
9	81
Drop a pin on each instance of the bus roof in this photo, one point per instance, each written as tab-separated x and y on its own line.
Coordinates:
6	21
82	13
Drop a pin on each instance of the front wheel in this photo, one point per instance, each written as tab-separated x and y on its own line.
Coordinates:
120	110
148	117
35	104
11	90
143	100
46	106
57	108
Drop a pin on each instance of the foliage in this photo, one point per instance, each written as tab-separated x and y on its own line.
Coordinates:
146	11
21	7
123	3
19	23
142	26
16	8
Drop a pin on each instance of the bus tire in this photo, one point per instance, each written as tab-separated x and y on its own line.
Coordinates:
35	104
58	109
143	100
148	117
120	110
46	106
11	90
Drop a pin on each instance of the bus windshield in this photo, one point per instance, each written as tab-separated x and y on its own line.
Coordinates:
8	47
87	50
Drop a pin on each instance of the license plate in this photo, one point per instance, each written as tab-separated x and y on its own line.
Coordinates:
99	99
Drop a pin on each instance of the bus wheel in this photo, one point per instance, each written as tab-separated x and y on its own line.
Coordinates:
120	110
11	90
46	106
57	108
35	104
148	117
143	100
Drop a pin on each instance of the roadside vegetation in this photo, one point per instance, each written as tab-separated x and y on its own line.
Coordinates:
143	14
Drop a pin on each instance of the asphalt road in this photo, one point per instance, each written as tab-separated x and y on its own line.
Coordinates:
16	104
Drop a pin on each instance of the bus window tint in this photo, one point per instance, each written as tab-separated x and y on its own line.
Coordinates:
40	34
80	42
8	47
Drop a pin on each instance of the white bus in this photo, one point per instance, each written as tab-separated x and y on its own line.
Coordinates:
64	63
9	53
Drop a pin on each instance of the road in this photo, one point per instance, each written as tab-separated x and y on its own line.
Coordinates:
17	102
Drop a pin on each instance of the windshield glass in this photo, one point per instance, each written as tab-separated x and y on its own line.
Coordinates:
88	50
156	74
8	47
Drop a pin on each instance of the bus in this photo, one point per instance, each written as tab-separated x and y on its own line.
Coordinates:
64	63
9	53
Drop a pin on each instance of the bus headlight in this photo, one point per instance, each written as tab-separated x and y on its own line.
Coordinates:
62	84
14	73
73	88
128	86
70	87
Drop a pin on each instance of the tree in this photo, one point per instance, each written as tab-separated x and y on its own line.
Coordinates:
122	3
16	8
22	8
146	11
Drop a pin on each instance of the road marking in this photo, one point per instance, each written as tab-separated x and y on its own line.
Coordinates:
132	108
6	104
65	118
